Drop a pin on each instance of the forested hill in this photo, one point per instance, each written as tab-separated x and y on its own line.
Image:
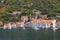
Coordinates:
49	7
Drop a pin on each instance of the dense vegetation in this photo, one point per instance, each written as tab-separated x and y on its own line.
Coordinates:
49	7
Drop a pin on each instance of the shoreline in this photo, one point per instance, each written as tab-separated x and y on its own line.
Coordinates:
54	29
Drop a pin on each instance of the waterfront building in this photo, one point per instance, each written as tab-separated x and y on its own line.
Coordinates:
34	23
20	25
7	26
13	24
48	23
24	18
1	24
58	24
10	25
28	24
43	23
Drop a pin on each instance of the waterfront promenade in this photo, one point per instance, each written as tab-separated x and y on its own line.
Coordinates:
34	23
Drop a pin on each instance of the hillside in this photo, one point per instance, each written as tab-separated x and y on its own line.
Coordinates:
48	7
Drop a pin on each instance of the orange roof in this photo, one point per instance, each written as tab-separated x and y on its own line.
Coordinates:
1	22
47	21
24	16
27	22
33	21
19	22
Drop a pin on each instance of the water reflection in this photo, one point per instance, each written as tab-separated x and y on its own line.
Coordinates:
29	34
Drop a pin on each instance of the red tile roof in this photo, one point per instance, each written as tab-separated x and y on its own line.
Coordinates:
41	20
24	16
47	21
19	22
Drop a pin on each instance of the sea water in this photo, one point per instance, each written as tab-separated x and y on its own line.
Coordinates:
29	34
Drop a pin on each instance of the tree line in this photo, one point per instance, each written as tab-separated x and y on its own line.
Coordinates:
48	7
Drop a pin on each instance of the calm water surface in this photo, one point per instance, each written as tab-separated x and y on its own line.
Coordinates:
29	34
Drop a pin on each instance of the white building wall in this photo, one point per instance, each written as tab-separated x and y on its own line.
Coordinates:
9	26
54	23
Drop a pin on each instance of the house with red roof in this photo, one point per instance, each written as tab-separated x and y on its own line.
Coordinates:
43	23
20	25
10	25
47	23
